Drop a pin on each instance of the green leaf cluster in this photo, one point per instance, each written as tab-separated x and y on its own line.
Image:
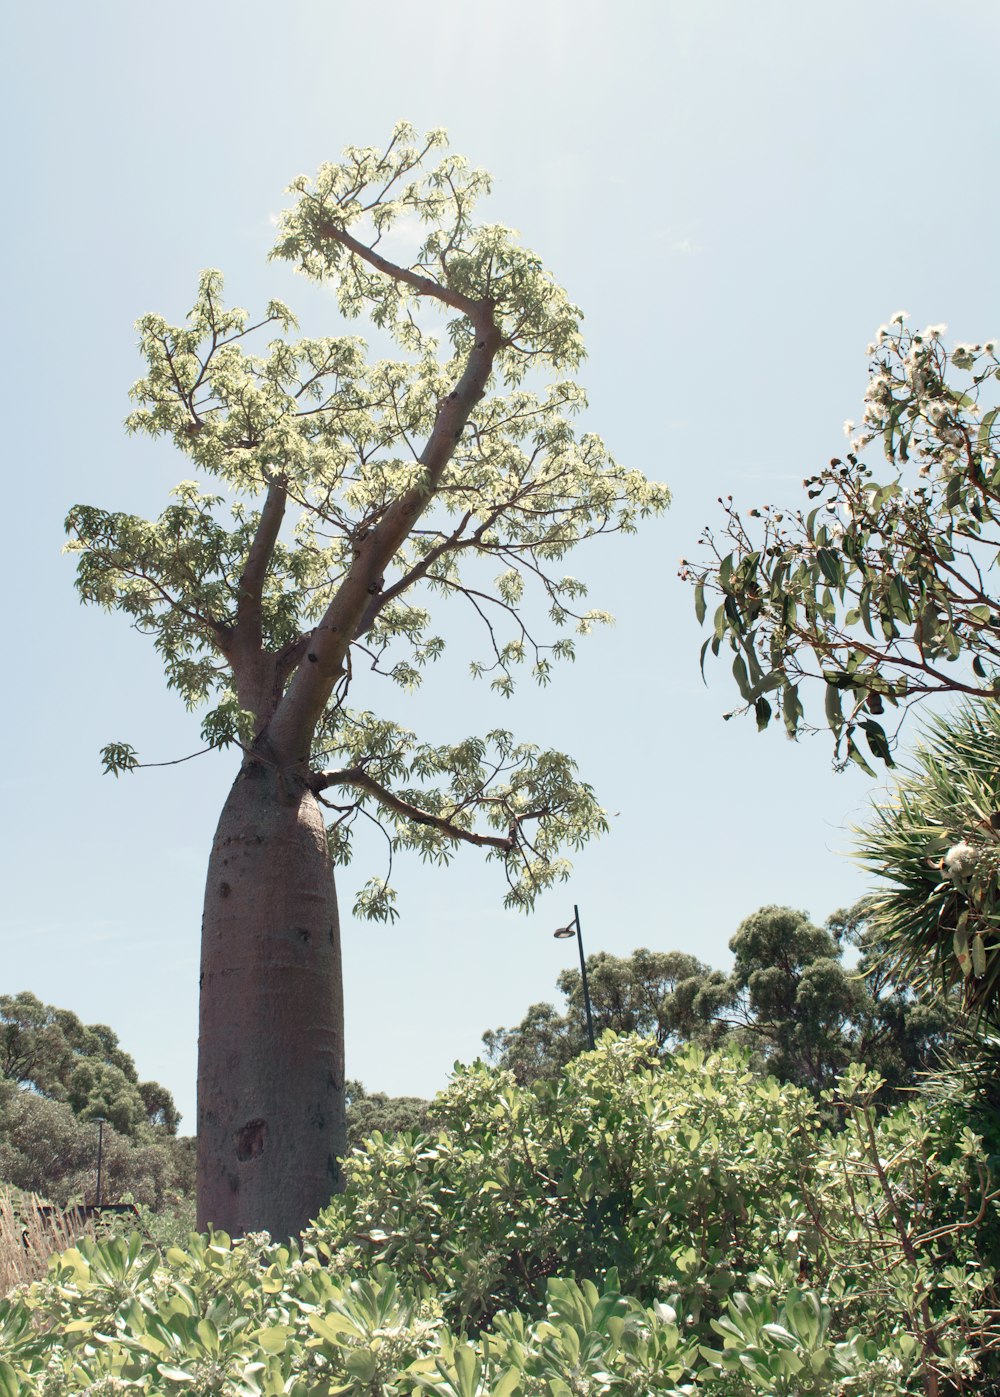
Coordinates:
882	591
523	805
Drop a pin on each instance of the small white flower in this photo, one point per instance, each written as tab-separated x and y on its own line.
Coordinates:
848	427
935	332
899	317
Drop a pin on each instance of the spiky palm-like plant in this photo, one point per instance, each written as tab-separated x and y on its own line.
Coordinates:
935	843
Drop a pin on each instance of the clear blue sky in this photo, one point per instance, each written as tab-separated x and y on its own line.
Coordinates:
737	194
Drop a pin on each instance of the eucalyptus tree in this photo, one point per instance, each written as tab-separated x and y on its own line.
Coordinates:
668	996
349	493
881	594
790	999
50	1053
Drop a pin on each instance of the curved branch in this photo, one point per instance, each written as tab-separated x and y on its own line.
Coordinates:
358	778
423	285
299	711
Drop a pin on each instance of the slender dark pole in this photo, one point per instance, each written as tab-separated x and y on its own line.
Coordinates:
586	983
100	1151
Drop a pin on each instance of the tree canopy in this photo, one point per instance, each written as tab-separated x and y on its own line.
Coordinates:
668	996
404	481
349	496
52	1053
806	1001
57	1075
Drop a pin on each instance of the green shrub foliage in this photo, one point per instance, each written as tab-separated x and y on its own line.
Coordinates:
641	1225
573	1176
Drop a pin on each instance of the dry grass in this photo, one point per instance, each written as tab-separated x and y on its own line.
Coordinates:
29	1233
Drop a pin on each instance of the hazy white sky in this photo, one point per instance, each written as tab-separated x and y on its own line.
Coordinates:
737	194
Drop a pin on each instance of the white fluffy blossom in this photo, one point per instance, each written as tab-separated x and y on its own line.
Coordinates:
959	861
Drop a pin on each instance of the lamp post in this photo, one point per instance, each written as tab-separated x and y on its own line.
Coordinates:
563	933
100	1153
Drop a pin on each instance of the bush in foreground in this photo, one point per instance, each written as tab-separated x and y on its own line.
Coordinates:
637	1227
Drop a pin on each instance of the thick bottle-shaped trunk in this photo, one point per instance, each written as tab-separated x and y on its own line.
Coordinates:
271	1037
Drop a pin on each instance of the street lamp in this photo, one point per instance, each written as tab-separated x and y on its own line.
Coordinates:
562	934
100	1152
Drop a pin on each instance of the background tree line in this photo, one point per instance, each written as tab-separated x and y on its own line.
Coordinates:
807	1001
57	1077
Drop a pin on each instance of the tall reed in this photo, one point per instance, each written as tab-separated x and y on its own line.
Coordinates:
30	1231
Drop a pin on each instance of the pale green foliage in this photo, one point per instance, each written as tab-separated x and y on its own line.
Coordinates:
883	592
372	191
315	430
493	781
117	757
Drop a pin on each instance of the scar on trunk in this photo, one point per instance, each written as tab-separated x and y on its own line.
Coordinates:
250	1140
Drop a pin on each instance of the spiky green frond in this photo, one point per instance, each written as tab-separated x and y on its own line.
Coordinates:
934	844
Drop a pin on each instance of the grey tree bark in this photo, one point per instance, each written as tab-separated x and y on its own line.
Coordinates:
271	1126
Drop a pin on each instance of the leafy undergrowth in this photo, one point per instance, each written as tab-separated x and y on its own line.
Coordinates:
730	1243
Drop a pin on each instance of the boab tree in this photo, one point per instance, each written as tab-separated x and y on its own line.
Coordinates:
881	593
351	494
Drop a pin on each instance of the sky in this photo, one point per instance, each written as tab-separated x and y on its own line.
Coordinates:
737	196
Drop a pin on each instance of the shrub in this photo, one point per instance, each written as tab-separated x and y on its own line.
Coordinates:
640	1226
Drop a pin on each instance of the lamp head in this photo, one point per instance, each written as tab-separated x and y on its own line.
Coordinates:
564	932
